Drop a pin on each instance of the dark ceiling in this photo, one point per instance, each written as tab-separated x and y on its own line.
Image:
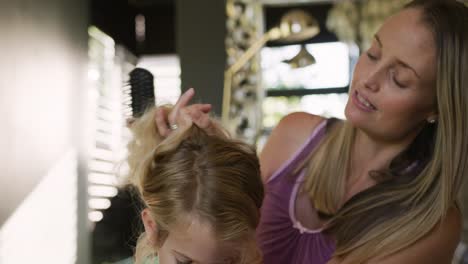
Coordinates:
146	3
117	19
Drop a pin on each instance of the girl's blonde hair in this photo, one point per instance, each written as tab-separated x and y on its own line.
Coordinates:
406	203
192	172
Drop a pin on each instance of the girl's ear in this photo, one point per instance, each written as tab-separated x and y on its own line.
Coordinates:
151	228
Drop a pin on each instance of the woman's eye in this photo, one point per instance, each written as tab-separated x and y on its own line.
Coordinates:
398	83
394	79
370	56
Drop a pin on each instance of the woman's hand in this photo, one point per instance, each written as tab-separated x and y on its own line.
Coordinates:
183	115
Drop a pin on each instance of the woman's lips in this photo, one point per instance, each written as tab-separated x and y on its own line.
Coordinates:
362	102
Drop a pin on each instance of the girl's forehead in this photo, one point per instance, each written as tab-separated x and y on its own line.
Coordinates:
196	240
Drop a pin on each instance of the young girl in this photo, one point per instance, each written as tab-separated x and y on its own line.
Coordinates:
202	194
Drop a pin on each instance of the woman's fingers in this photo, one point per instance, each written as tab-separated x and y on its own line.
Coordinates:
198	111
200	114
204	122
185	117
183	101
185	98
161	121
205	108
183	114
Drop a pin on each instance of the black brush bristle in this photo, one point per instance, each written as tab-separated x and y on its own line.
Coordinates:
141	90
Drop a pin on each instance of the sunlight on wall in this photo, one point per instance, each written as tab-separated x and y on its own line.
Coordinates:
107	144
48	216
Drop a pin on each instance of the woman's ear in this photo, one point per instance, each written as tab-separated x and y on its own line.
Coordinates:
151	228
432	116
432	119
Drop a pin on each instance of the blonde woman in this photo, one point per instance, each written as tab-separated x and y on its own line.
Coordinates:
202	194
382	186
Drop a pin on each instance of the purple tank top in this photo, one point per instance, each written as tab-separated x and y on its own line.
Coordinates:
282	239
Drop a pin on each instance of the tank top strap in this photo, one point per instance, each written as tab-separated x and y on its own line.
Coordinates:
314	139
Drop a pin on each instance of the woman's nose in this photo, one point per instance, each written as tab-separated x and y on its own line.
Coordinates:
373	79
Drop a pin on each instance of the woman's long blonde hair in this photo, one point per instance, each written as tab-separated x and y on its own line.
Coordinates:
405	204
192	172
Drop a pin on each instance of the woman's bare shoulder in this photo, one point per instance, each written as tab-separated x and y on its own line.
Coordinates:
286	138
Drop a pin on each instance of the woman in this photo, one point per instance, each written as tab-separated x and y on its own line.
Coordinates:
202	194
382	186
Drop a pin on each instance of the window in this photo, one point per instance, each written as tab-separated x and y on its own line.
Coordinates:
319	89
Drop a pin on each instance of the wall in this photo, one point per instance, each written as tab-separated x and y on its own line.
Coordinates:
43	55
200	35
